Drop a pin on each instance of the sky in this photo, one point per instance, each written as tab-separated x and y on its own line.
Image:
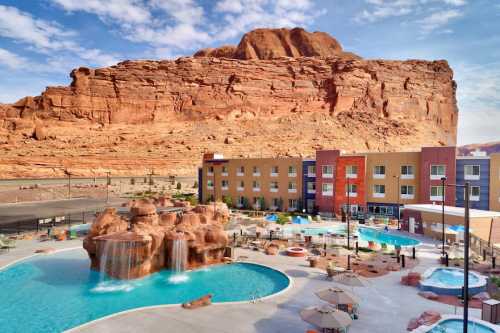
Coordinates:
42	40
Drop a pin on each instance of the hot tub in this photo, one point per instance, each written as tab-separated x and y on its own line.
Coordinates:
449	281
296	252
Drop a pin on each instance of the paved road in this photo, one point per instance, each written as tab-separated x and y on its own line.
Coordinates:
16	212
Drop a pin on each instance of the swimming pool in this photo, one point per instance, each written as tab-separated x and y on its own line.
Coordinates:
456	326
315	231
382	237
52	293
449	281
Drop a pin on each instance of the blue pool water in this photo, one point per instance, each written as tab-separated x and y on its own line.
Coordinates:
56	292
314	231
456	326
450	278
382	237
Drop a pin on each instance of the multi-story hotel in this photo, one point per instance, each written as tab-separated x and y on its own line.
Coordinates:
373	183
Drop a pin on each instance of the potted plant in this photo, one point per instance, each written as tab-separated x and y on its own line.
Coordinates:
313	261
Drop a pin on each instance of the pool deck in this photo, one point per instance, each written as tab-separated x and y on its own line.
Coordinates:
386	305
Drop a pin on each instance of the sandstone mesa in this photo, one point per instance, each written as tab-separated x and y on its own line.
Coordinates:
279	92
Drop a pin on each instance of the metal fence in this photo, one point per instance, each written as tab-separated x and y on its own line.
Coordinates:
482	247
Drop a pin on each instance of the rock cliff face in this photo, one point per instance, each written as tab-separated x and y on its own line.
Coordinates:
279	92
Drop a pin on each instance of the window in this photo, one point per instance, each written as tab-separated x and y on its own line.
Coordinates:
311	203
210	171
275	203
224	170
327	171
292	204
274	187
438	171
327	189
352	189
292	187
351	171
210	184
407	172
274	171
471	172
379	171
436	193
407	191
256	186
240	171
256	171
381	210
474	193
241	185
240	201
225	184
311	187
292	171
378	190
311	171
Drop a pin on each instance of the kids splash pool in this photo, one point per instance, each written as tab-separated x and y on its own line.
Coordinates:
53	293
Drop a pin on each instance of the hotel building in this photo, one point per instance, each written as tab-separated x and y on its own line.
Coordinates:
378	184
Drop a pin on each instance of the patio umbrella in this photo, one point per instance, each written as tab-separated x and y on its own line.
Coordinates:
337	296
326	317
350	279
271	218
300	220
457	228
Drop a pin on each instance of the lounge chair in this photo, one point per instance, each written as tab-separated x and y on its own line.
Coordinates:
7	244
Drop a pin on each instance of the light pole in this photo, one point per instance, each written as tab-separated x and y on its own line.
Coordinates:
348	213
443	180
399	205
107	186
69	183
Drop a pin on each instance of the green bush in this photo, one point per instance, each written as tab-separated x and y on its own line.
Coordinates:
282	219
227	200
195	185
495	280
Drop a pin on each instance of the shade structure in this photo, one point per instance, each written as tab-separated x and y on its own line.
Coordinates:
325	316
300	220
337	296
350	279
271	218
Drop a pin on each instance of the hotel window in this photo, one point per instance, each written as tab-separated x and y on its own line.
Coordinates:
292	171
438	171
224	170
327	189
311	171
351	171
407	172
240	171
225	184
378	191
436	193
274	187
379	171
407	190
327	171
292	204
210	171
474	193
471	172
241	185
256	171
274	171
311	187
275	203
240	201
210	184
292	187
256	186
352	189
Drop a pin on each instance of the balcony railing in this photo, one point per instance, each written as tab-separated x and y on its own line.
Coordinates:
240	189
292	174
352	175
378	176
351	194
256	189
273	189
274	174
327	175
327	193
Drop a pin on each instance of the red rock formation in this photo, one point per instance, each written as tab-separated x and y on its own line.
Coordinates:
167	113
148	246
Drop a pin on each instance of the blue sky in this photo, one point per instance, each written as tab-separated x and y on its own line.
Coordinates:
41	41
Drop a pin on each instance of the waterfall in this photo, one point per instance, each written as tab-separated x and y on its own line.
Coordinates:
115	261
179	260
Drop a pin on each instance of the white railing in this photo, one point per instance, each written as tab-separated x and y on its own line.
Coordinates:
274	174
240	189
407	176
327	193
407	196
273	189
292	190
437	177
292	174
378	176
327	175
256	174
471	177
378	195
352	194
311	175
311	191
436	198
240	174
352	175
256	189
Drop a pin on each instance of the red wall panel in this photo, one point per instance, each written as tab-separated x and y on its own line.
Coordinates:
341	181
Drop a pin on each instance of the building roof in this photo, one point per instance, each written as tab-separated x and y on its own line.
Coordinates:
450	210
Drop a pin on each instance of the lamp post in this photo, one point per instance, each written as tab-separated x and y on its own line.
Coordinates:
107	186
443	180
69	183
348	213
399	205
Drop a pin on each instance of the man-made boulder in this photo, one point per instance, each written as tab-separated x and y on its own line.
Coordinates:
412	279
426	318
429	295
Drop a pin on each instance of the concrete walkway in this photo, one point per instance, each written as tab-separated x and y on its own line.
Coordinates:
386	305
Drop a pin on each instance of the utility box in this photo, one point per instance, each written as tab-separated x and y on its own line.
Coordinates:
491	311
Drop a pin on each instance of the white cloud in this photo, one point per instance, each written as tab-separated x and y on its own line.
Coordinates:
438	19
131	11
11	60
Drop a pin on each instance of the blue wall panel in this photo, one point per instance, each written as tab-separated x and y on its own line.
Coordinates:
305	180
483	182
